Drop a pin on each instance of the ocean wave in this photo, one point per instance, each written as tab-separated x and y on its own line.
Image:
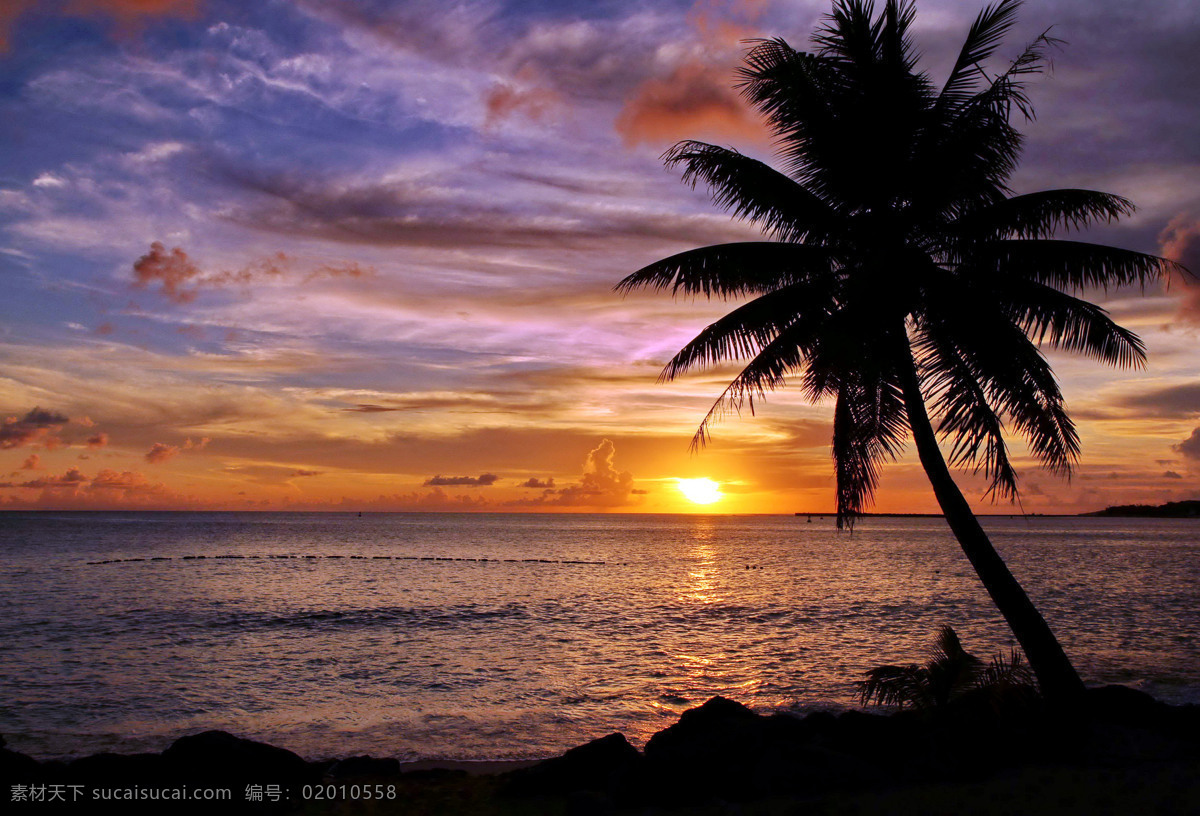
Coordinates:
368	617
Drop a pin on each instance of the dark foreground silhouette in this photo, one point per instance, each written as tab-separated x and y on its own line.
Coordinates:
1120	752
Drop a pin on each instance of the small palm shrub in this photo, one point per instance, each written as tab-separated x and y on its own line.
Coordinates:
949	671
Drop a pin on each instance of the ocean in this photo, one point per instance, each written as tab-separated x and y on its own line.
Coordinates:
481	636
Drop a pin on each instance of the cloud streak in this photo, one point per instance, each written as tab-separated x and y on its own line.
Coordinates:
483	480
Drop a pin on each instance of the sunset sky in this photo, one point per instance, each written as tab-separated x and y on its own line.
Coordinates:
356	254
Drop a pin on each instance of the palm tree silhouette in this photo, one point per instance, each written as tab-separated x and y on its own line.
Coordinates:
903	278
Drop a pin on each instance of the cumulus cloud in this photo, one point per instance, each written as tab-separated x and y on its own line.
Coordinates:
601	484
180	280
483	480
123	481
97	441
161	452
1190	447
34	462
75	490
73	479
543	484
36	427
436	499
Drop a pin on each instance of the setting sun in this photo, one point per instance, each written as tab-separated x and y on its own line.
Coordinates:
700	491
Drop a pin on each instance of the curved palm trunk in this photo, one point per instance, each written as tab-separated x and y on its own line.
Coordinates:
1058	679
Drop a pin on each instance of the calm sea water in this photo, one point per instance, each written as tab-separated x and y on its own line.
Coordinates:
372	646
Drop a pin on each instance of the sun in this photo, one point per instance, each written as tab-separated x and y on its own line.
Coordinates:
700	491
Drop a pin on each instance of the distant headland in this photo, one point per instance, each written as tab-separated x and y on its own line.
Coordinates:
1179	509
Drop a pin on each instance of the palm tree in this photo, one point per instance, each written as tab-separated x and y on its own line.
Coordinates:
903	278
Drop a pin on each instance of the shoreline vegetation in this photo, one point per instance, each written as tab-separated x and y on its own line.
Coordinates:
1179	509
1119	751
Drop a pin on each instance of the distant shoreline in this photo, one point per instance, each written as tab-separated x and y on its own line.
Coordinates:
1177	510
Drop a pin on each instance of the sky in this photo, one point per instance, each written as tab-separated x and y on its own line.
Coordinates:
360	255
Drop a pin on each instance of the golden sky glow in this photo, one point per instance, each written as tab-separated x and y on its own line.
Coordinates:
287	256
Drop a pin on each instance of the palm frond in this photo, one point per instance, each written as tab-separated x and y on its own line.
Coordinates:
965	417
786	354
1041	214
732	270
973	148
792	89
849	35
983	38
753	191
749	329
1070	265
950	669
869	428
1058	320
898	686
1008	91
1022	386
1013	374
1007	670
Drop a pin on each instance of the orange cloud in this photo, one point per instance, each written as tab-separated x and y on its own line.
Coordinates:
719	22
75	490
161	452
130	16
73	479
32	463
503	101
601	484
180	279
1180	241
97	441
35	426
171	269
694	101
125	481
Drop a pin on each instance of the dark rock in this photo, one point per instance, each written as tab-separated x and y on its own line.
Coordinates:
218	755
603	764
118	768
16	768
363	766
1124	705
724	750
713	731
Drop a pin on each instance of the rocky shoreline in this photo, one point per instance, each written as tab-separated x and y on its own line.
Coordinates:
1119	752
